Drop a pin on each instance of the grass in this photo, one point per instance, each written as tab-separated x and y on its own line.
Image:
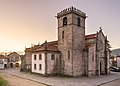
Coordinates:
3	82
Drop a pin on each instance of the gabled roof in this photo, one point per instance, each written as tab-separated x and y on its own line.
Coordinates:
32	48
13	53
53	45
88	37
49	46
46	46
91	36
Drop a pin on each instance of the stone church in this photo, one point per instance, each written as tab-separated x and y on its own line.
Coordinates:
74	53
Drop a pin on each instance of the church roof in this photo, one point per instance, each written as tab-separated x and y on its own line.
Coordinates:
32	48
46	46
91	36
49	46
53	45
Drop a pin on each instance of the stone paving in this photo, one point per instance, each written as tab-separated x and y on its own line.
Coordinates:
18	81
65	81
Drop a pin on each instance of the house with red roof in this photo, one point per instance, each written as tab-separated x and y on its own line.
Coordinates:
74	53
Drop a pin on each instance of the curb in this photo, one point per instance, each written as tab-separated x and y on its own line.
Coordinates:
108	82
31	80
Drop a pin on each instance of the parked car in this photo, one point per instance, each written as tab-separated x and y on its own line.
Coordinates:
115	69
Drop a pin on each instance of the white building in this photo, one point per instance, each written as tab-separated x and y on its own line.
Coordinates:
3	62
44	60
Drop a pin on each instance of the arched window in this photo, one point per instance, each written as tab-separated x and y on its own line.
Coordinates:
68	54
78	21
62	34
64	21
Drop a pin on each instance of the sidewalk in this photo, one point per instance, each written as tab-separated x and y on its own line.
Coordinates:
65	81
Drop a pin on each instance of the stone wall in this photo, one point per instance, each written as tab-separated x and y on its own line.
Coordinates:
73	42
26	61
53	65
92	60
101	48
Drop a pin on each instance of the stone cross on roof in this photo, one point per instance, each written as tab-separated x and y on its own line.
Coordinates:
101	29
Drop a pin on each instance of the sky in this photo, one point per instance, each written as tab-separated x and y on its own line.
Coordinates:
27	22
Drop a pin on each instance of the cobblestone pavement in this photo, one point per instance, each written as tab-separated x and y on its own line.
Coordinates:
65	81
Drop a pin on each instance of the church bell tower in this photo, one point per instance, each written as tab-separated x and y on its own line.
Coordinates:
71	40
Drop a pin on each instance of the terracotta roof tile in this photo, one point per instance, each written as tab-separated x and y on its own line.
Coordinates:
2	57
91	36
53	45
